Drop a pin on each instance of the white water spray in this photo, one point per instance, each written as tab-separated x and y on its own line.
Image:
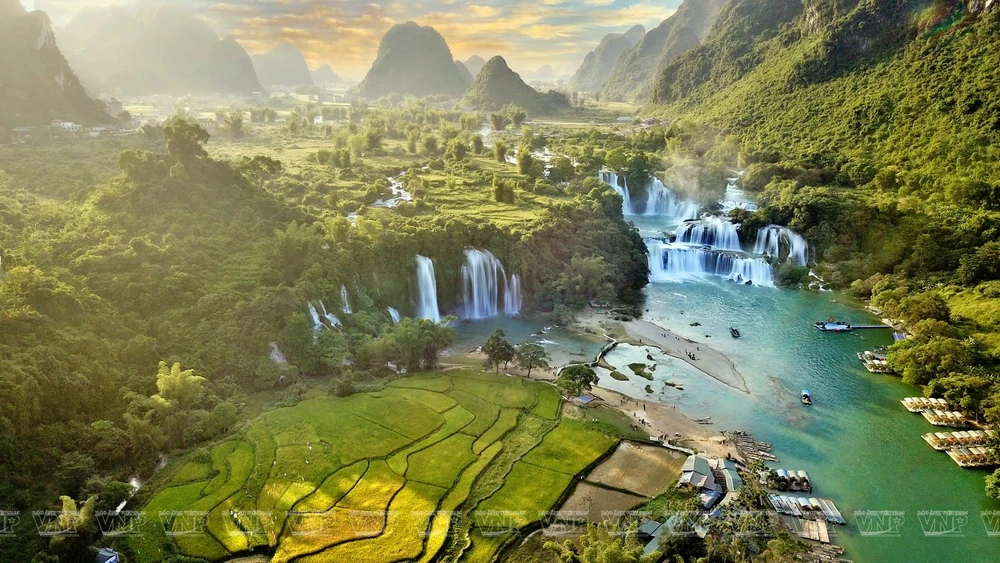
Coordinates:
770	239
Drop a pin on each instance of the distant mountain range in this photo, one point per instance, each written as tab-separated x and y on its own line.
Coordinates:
599	63
632	77
497	85
284	65
475	63
325	75
37	85
155	49
416	60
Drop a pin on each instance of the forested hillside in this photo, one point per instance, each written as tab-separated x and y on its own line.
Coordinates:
154	48
37	84
138	315
498	86
872	127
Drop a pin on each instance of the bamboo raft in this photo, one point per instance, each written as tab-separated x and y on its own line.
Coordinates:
946	418
874	361
921	404
808	508
750	448
971	457
943	441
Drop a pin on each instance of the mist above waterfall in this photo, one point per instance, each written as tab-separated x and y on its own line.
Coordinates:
659	201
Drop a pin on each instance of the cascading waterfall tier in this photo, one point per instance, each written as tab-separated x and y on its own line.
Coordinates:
782	243
710	231
394	315
674	262
330	317
427	296
485	283
659	202
345	300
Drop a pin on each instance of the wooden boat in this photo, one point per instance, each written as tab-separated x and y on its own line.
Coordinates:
735	332
833	326
807	398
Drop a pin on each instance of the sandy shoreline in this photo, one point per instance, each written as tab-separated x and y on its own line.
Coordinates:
708	360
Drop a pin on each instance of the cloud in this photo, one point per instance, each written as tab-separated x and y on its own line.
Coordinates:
346	33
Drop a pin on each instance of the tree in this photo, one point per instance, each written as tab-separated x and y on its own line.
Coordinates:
412	138
259	170
604	543
531	355
417	343
498	121
514	114
79	529
498	351
584	279
430	144
525	162
185	138
234	123
929	305
576	379
993	484
500	151
222	418
966	392
562	169
457	150
477	144
178	389
920	361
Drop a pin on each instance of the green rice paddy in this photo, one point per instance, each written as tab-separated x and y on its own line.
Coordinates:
432	464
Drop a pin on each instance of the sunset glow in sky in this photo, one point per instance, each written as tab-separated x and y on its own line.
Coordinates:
346	33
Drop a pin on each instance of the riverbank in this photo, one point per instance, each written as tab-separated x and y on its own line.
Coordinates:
706	359
663	420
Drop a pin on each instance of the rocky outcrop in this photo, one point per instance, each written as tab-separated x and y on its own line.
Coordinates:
416	60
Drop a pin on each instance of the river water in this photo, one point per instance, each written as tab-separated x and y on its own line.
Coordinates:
858	444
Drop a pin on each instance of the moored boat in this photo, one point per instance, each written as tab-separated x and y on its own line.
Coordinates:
807	398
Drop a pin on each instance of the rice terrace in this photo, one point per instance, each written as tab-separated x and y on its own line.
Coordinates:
380	476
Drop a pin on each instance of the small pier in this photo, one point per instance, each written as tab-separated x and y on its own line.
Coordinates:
837	326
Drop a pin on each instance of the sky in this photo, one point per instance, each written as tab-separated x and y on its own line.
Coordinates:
345	33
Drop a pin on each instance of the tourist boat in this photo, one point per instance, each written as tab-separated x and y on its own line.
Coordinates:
807	398
735	332
833	326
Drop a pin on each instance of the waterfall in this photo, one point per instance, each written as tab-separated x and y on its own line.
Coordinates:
660	201
710	231
333	320
621	187
769	241
482	277
679	262
427	296
345	300
394	314
317	322
276	355
512	297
